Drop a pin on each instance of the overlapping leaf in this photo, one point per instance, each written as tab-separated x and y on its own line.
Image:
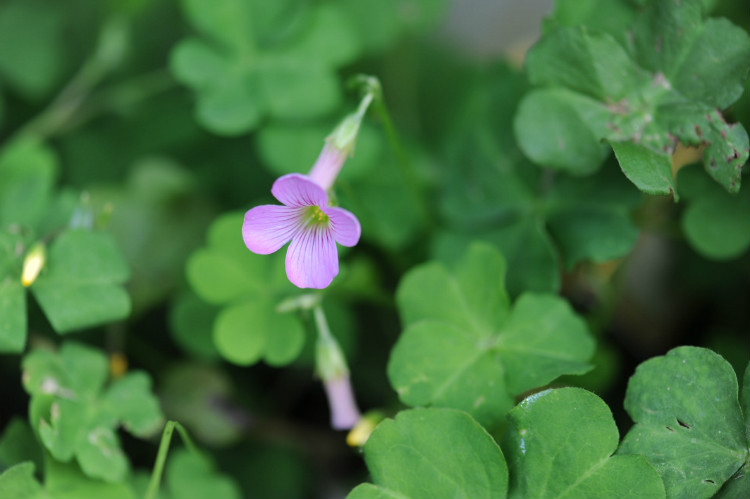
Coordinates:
670	84
429	453
688	421
76	416
492	193
714	222
248	287
559	444
81	281
465	347
256	58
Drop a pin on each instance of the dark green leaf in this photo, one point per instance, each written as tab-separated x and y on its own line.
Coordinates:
714	222
688	423
190	476
559	444
430	453
27	173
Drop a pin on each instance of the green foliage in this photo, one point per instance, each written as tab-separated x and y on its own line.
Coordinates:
31	61
190	476
75	416
253	61
488	350
491	208
560	443
535	218
667	85
248	287
427	453
82	286
688	422
714	222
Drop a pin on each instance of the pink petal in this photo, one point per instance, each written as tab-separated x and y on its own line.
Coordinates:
298	190
344	411
311	260
346	228
269	227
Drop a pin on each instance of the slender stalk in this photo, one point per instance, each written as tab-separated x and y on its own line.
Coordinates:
402	158
161	456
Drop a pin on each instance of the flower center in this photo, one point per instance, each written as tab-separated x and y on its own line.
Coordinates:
315	216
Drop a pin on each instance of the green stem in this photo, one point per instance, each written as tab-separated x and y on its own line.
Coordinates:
402	159
161	456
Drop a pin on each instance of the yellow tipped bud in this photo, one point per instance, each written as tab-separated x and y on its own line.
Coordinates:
33	264
358	435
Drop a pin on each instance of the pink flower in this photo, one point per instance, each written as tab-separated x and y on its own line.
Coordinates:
309	223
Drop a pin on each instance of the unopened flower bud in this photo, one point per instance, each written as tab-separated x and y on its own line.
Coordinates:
33	264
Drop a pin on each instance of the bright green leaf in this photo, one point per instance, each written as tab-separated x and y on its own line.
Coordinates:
31	60
487	352
81	286
560	443
18	482
688	422
430	453
75	419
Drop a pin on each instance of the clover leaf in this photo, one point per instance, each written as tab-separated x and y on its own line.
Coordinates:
669	84
248	287
429	453
534	217
560	444
62	481
465	347
76	415
80	284
688	421
258	58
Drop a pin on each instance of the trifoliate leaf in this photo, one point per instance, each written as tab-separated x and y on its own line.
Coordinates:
688	422
74	413
430	453
680	73
259	58
82	284
248	287
559	444
464	347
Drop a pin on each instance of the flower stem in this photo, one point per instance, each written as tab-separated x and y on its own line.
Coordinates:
161	456
373	87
